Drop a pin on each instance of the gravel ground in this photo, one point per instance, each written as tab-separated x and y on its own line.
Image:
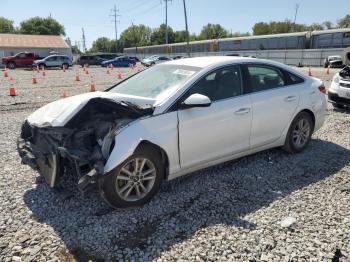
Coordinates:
270	206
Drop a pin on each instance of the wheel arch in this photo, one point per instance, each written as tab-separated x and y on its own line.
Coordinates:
162	153
308	111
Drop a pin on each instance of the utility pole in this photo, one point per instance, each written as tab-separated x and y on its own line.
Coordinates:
295	15
135	38
115	17
84	40
166	21
187	33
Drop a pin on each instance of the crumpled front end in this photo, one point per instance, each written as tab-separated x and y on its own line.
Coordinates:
81	147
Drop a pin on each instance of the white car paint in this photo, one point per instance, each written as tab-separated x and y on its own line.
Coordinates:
338	87
196	138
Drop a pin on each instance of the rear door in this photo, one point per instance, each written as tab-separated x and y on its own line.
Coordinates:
274	101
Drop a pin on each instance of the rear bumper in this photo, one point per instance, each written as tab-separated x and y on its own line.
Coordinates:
335	99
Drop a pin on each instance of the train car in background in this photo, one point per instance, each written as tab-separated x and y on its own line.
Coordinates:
334	38
265	42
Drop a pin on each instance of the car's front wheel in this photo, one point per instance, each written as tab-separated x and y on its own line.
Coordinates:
299	133
11	65
136	180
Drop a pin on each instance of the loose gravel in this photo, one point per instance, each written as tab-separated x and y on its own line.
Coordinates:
270	206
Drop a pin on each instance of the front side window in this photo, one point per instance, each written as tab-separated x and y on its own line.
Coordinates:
265	78
220	84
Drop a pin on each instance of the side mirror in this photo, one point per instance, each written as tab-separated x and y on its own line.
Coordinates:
196	100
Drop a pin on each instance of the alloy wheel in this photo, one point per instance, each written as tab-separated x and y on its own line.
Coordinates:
136	179
301	133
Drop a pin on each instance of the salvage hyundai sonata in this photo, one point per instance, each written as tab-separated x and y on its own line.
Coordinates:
170	120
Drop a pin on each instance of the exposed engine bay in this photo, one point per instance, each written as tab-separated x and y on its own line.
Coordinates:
82	146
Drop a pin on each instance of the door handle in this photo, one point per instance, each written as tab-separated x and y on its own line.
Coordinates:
242	111
290	98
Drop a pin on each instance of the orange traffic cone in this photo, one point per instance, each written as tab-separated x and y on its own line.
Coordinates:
92	85
328	70
120	76
6	73
12	88
310	74
34	80
65	94
77	77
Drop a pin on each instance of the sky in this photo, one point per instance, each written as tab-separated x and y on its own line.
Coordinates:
238	16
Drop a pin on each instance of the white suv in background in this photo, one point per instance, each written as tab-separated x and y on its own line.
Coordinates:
339	91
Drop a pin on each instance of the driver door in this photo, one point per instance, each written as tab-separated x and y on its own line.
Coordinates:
223	128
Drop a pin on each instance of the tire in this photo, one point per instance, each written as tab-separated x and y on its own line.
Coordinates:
122	175
294	136
65	65
338	106
42	66
11	65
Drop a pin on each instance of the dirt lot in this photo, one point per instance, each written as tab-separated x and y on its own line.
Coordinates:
267	207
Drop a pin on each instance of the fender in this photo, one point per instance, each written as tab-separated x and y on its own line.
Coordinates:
165	136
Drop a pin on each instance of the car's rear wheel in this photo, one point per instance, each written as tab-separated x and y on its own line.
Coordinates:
42	66
136	180
299	133
65	65
11	65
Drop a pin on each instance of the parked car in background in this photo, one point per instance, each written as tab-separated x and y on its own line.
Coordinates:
90	60
153	60
339	91
121	61
54	61
334	61
135	58
21	59
171	120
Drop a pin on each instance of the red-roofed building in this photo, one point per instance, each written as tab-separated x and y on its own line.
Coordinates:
42	45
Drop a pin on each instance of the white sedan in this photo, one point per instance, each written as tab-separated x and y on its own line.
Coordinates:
170	120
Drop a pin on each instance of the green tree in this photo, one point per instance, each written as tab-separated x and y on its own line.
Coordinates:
261	28
41	26
180	36
75	50
238	34
327	25
344	22
158	35
102	44
137	35
213	31
315	26
6	25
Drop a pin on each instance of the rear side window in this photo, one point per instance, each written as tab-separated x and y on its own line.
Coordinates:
295	79
265	78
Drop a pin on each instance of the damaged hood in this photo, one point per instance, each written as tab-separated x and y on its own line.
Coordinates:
59	112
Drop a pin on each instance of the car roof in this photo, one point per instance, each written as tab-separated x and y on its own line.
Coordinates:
209	60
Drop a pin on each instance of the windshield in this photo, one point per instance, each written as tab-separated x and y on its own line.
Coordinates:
156	81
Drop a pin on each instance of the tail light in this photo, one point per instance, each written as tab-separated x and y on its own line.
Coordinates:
322	89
